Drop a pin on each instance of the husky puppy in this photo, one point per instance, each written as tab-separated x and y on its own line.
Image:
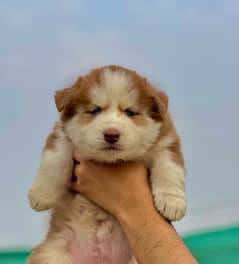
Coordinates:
111	114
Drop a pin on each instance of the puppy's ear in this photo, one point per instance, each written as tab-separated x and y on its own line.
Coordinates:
159	105
63	97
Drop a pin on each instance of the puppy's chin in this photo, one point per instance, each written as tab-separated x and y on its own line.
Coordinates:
108	155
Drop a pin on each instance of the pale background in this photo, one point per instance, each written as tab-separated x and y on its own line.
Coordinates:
188	47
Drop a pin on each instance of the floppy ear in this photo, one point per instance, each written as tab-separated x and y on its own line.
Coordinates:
159	106
63	97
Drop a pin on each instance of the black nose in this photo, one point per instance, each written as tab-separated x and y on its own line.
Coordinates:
111	135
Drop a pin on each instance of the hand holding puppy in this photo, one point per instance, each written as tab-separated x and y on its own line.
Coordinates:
116	188
123	190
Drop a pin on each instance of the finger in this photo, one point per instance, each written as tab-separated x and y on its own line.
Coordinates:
77	170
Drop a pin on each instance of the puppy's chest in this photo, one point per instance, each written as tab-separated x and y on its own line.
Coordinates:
98	236
93	220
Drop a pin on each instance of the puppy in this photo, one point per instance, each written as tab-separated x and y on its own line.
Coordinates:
110	115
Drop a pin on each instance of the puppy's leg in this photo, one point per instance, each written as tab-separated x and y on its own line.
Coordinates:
51	252
55	248
167	181
54	172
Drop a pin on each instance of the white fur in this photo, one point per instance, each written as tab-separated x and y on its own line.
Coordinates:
115	92
114	97
134	140
167	181
54	172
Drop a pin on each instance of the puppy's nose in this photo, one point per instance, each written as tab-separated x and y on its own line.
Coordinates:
111	135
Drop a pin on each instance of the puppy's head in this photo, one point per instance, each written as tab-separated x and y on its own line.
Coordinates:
112	114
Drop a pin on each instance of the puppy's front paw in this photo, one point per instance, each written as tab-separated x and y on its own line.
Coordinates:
172	207
41	200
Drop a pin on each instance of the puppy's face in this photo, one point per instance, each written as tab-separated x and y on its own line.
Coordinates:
112	114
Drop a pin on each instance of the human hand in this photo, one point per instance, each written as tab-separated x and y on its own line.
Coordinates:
117	188
123	190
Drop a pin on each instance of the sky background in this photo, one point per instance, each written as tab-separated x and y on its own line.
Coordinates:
188	48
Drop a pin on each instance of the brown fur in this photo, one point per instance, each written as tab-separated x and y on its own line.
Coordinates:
167	129
76	97
155	101
73	216
51	139
70	98
85	119
177	155
139	120
50	142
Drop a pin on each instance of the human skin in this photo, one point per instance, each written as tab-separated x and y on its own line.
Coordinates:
123	190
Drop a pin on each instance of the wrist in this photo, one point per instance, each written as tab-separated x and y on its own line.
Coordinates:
142	212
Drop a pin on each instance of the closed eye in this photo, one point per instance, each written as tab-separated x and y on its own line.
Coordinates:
94	111
130	112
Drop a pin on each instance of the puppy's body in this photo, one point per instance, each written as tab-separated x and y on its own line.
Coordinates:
111	114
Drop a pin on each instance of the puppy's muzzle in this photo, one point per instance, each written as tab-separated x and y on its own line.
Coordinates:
111	135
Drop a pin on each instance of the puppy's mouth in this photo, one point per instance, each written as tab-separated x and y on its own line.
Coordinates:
111	148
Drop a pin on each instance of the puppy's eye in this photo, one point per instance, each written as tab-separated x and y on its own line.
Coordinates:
130	112
95	111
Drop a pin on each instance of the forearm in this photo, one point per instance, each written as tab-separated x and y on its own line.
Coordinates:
153	240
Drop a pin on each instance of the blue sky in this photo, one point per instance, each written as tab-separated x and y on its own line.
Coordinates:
188	48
